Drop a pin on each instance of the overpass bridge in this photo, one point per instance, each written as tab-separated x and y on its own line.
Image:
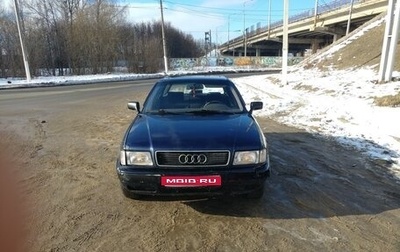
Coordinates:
306	30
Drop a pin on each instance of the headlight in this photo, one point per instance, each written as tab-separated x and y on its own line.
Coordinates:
250	157
136	158
263	156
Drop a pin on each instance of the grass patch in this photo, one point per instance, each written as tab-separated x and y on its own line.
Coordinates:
388	100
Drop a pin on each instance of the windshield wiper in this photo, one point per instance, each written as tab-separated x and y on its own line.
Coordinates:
209	111
165	112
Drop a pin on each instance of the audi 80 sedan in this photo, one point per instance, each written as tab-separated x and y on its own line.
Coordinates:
193	136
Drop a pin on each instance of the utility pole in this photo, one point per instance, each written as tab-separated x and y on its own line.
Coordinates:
244	28
285	44
216	41
315	13
24	56
245	42
163	39
269	18
207	43
349	19
391	37
229	20
210	40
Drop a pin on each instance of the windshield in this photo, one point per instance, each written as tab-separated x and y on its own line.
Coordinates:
193	97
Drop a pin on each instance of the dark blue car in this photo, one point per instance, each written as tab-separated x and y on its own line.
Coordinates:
193	136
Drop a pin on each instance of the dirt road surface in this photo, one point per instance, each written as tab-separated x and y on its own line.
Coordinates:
321	196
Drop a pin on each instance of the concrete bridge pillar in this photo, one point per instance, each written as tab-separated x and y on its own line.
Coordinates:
314	46
258	52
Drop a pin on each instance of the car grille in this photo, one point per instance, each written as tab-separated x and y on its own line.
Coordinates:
192	159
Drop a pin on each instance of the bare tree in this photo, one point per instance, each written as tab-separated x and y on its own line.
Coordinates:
10	51
86	36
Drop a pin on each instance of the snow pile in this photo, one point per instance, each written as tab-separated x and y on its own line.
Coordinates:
72	80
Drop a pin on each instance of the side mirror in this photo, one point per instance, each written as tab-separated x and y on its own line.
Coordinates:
134	106
255	106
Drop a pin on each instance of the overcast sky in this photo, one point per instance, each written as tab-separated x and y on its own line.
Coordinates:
219	16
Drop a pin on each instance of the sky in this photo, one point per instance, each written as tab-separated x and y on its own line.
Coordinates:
218	16
337	104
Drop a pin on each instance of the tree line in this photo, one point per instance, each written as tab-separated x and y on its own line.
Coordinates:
86	37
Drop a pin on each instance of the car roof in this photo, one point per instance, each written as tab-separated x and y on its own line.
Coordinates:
196	78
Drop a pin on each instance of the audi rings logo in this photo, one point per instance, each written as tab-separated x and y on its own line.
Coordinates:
192	159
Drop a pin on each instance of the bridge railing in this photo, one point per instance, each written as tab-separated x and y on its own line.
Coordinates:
322	8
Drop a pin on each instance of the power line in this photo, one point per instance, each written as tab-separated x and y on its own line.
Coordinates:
195	13
230	9
224	11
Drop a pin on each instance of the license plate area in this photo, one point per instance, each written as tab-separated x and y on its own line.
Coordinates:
191	181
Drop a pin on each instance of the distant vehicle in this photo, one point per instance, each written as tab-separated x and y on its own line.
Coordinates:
194	136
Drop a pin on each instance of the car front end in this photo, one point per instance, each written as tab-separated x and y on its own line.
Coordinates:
204	152
205	172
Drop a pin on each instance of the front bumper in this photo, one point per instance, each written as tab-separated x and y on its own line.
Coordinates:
237	180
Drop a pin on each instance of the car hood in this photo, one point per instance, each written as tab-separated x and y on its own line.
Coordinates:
194	132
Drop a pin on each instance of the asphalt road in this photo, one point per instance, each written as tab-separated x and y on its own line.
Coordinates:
321	196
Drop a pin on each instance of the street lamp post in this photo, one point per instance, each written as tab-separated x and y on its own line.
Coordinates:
315	13
229	21
349	19
245	42
269	18
163	39
285	44
23	49
244	28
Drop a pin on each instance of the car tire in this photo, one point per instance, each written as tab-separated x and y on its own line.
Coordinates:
256	194
130	194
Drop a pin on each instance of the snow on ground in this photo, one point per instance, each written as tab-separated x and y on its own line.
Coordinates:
72	80
337	104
